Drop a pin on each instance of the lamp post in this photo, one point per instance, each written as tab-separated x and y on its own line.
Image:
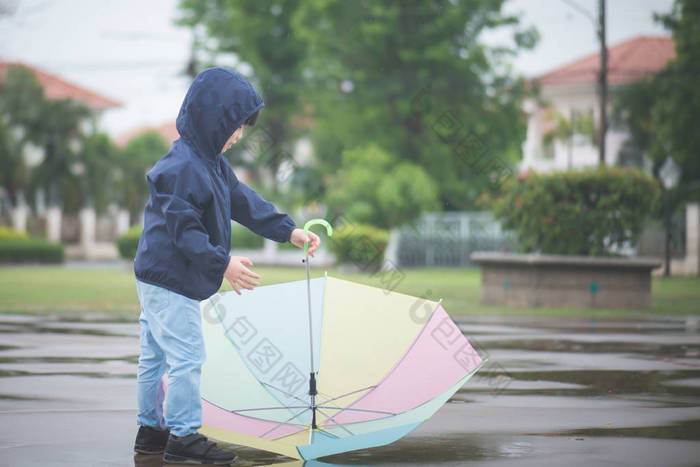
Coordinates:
670	174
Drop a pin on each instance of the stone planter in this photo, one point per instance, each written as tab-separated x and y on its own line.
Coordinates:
565	281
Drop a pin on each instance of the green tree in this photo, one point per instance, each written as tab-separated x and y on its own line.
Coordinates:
566	130
60	127
55	126
663	112
676	112
632	106
98	157
408	76
260	35
414	78
12	168
136	158
21	99
373	187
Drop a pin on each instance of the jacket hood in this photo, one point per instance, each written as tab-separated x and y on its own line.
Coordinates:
218	101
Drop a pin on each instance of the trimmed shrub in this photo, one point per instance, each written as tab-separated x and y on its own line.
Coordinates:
589	212
7	232
243	238
128	243
360	245
23	249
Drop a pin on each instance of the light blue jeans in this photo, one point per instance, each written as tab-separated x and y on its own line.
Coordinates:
171	340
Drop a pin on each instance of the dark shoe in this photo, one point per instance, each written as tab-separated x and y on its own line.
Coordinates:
195	449
150	440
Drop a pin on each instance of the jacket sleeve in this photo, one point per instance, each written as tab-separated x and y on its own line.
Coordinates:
179	198
259	215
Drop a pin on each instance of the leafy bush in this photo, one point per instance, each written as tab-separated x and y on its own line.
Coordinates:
23	249
589	212
7	232
129	242
243	238
360	245
374	187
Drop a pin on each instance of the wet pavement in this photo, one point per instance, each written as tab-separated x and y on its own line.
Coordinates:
555	391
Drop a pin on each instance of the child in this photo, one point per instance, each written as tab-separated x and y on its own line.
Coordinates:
183	256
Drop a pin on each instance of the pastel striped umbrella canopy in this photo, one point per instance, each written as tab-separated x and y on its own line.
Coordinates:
384	363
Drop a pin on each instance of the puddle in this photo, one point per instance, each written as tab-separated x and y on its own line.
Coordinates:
551	390
90	374
15	397
558	345
42	327
420	450
685	430
586	383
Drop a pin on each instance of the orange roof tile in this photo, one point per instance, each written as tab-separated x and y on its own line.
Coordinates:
58	88
627	62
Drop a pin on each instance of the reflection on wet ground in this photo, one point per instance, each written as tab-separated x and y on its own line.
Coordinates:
555	391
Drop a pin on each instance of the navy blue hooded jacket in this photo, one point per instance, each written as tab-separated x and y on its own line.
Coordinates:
186	237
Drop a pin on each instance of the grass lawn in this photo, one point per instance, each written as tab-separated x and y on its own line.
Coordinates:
46	289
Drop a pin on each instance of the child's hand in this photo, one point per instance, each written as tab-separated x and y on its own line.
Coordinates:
298	238
239	275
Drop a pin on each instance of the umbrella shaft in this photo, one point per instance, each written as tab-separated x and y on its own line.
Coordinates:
308	296
312	375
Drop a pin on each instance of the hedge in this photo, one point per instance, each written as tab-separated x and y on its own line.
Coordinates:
360	245
589	212
242	238
129	242
17	247
6	232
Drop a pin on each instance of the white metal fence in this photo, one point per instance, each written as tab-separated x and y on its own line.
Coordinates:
448	238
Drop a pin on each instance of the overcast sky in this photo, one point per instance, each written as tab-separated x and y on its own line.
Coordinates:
131	51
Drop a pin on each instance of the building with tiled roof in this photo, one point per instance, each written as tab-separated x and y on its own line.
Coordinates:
571	91
58	88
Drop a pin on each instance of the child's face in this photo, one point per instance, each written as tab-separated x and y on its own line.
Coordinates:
238	134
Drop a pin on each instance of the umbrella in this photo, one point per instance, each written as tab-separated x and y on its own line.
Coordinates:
317	367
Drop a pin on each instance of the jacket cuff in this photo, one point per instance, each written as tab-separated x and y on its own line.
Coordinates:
286	230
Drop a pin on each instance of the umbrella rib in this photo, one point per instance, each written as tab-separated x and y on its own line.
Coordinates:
271	408
348	393
339	424
283	391
249	416
359	410
327	407
284	422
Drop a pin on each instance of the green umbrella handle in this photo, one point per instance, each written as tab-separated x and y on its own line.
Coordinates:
307	226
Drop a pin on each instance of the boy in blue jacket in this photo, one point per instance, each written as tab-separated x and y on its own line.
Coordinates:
183	256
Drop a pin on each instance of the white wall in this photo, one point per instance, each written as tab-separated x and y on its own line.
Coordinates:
565	99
